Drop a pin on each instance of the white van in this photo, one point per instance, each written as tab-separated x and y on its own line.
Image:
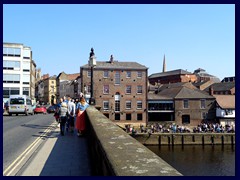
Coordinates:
20	104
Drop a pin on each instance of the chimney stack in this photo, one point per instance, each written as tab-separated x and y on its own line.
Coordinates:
111	59
211	90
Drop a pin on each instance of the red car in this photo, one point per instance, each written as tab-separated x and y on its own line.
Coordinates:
40	109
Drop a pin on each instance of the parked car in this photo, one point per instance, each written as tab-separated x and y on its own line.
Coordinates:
40	109
20	104
51	109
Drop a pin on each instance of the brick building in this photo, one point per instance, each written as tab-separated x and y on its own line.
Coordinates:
182	103
119	88
174	76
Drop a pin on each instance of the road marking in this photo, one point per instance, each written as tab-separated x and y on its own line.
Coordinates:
22	156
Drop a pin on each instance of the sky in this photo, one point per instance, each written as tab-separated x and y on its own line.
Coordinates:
191	36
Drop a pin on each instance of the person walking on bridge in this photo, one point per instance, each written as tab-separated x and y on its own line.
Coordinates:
63	117
81	116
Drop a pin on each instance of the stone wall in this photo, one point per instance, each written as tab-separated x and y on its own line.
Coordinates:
116	153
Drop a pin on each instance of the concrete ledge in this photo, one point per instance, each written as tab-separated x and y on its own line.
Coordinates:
115	153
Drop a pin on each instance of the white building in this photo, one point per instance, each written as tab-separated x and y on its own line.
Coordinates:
18	71
225	109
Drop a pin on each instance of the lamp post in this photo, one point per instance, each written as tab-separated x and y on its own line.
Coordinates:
92	63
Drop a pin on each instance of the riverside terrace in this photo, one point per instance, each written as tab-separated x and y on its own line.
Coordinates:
115	153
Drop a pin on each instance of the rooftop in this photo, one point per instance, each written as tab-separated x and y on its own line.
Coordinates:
117	65
168	73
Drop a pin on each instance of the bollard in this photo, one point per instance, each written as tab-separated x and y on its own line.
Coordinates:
182	140
222	140
203	140
159	140
212	139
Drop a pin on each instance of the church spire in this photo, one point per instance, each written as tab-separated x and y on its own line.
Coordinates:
164	64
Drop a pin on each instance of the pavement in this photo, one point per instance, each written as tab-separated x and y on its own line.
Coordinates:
59	156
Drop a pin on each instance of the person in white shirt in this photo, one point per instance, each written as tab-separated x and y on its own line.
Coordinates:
71	114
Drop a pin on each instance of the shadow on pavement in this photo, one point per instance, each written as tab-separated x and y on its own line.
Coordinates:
69	156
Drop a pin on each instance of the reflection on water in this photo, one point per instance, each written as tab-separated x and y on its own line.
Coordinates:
198	160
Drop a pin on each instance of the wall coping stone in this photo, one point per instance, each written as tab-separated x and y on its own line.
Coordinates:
126	155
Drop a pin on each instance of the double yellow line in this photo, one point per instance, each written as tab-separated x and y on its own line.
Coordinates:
22	156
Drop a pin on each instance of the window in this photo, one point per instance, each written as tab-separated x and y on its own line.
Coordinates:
117	116
88	89
11	78
29	102
26	54
128	89
26	78
204	115
185	103
52	82
7	91
26	91
11	51
139	74
89	73
105	105
105	74
128	74
185	119
139	89
203	103
11	65
17	101
229	112
128	105
139	117
106	89
139	104
117	78
128	117
26	66
117	105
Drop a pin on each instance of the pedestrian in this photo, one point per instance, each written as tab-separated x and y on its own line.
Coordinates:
81	116
56	114
71	114
63	117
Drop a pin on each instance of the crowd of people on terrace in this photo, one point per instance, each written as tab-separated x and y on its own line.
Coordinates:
174	128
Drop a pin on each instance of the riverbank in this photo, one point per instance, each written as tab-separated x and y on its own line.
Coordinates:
185	138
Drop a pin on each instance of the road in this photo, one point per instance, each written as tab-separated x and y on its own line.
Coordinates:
19	132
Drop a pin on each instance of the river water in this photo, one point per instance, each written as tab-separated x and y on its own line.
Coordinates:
198	160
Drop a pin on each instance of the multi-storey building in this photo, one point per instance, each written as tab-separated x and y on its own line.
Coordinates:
174	76
202	76
18	71
181	103
119	88
50	90
65	85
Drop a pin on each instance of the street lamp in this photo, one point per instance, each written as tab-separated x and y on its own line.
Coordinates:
92	63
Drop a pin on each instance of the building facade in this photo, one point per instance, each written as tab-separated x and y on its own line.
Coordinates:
50	90
119	88
66	85
174	76
181	103
18	71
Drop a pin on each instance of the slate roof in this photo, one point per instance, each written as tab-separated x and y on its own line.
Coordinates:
69	76
169	73
222	86
183	92
225	101
153	96
117	65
